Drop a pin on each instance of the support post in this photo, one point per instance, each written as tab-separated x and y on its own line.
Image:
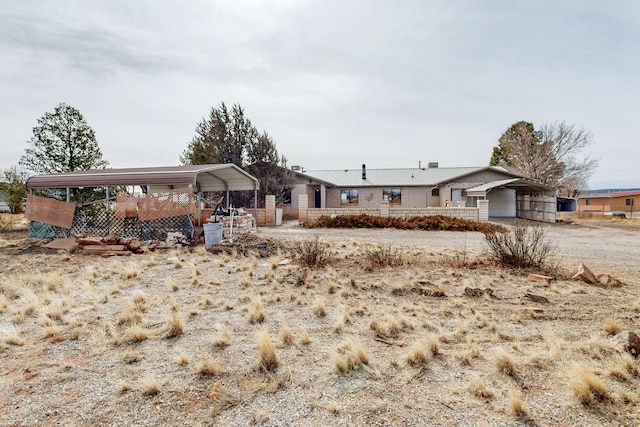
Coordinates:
255	203
303	207
270	210
483	210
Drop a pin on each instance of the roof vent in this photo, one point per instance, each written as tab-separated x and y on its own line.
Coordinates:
432	165
364	171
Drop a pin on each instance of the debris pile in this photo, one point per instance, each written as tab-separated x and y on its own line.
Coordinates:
109	246
248	244
584	274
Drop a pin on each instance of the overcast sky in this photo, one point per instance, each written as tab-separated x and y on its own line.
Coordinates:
335	83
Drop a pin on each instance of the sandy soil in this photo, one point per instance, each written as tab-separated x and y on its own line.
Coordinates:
172	338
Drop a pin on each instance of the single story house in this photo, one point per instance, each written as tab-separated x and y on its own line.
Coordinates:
606	202
510	195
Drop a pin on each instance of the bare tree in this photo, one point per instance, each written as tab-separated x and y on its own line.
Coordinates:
551	155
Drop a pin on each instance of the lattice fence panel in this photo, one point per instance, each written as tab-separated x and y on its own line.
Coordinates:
147	217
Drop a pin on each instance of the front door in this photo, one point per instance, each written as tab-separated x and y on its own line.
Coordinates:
318	199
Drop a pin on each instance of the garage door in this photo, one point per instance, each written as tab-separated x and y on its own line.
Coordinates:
502	203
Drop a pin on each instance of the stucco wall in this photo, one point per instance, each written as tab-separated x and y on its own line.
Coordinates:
370	197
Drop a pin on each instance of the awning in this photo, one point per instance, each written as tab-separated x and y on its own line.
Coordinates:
521	184
221	177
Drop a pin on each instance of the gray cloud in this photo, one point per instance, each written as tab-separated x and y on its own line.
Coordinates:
335	83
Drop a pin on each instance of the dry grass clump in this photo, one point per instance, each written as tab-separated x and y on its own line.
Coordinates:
9	335
350	356
258	314
319	308
388	327
267	352
313	252
516	404
585	384
224	338
137	333
466	356
434	346
223	398
505	363
286	335
478	389
131	315
3	303
382	255
151	386
183	359
175	324
305	338
342	319
208	365
130	271
418	354
612	327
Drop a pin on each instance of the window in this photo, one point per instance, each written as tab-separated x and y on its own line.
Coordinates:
628	202
286	196
587	202
394	196
435	192
349	196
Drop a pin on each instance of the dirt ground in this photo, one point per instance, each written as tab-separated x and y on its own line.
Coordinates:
177	337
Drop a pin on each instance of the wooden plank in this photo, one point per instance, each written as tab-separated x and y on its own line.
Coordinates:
89	240
67	244
114	253
104	248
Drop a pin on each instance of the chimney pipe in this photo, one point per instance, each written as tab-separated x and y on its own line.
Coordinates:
364	171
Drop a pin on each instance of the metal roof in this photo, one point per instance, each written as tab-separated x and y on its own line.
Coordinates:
610	195
397	177
220	177
517	183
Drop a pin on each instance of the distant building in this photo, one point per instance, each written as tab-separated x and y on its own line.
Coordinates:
606	203
4	204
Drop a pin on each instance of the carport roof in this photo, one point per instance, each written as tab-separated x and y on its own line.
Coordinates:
515	183
219	177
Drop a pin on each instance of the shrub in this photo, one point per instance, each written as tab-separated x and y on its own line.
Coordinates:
314	252
523	246
5	221
382	256
428	223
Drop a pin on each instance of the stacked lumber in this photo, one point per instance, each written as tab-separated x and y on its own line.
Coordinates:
109	245
241	224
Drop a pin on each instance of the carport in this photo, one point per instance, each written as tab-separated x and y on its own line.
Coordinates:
171	181
199	178
518	197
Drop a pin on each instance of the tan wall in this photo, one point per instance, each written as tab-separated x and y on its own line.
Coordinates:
370	197
595	205
619	204
614	204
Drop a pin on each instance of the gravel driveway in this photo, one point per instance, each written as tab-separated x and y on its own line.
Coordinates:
603	246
